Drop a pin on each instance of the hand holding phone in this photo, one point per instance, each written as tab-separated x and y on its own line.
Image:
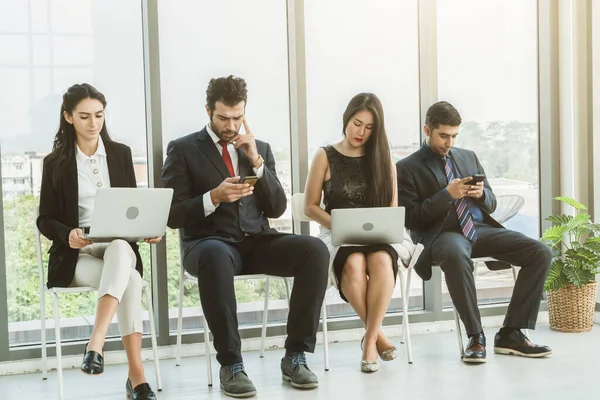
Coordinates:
250	180
476	179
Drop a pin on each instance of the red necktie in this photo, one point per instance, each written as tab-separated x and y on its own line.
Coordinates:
227	157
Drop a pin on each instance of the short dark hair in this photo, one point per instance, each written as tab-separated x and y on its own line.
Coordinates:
230	91
442	113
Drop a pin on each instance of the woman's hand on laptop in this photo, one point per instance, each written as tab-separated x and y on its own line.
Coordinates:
76	240
153	240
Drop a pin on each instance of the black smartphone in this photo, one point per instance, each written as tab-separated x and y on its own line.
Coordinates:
476	179
251	180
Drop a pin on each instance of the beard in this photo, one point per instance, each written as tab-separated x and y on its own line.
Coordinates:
226	135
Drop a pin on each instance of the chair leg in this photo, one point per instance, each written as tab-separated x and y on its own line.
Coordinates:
180	318
207	345
287	290
325	339
461	346
405	322
43	334
407	291
265	319
59	373
153	336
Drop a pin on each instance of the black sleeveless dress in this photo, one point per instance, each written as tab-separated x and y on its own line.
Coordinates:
347	188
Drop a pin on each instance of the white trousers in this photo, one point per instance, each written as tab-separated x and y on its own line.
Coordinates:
110	267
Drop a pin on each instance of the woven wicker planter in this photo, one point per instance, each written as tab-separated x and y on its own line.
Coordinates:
572	309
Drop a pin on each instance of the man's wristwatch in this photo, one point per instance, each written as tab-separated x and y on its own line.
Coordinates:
258	162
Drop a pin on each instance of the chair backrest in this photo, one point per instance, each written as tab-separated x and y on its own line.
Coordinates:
38	246
507	206
298	208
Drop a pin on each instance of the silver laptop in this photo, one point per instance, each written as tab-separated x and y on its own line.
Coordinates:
132	214
360	226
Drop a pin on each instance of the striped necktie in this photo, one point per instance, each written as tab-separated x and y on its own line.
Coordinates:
465	218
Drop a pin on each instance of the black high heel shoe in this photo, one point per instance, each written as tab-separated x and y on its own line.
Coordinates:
140	392
93	362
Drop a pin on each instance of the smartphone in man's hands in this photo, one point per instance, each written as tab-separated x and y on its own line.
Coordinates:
251	180
476	179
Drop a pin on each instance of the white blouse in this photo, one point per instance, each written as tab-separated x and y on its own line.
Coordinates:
92	173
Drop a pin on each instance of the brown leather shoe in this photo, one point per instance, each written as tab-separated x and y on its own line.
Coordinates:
475	351
518	344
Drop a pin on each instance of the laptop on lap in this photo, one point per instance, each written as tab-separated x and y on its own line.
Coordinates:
131	214
364	226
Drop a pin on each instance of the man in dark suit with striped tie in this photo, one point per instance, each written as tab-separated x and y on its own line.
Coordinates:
450	216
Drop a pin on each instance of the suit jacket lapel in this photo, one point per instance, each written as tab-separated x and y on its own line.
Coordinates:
115	171
460	163
70	188
434	165
244	166
208	147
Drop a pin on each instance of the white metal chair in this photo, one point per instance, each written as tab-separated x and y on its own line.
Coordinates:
54	292
186	277
299	216
507	206
456	316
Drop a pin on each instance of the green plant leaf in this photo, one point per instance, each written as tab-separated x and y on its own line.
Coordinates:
560	219
572	202
585	257
578	276
556	278
593	244
554	233
580	220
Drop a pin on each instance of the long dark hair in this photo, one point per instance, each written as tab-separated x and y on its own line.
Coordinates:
65	139
380	187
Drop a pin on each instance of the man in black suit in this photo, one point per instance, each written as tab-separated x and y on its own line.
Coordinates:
451	217
225	232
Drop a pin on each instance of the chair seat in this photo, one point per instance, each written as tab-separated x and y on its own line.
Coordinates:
80	289
191	278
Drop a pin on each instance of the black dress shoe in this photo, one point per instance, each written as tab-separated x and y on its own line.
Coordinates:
93	363
140	392
475	351
515	342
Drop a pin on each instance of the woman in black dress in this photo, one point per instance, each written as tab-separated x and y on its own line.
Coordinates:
358	172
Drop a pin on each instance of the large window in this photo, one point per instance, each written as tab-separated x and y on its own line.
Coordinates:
48	46
356	46
487	52
213	39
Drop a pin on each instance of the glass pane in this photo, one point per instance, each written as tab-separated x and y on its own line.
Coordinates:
494	87
352	47
15	49
13	16
29	122
249	44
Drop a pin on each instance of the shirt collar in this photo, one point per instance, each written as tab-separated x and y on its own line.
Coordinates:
100	151
431	152
212	134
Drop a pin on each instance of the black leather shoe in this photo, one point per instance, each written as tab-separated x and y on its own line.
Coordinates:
140	392
93	363
475	351
518	344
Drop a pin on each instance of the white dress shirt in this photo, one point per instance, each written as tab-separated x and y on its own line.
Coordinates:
209	207
92	173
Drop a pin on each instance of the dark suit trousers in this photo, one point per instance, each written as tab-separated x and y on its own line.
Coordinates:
215	263
453	252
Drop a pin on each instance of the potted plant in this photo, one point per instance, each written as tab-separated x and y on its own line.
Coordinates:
571	285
